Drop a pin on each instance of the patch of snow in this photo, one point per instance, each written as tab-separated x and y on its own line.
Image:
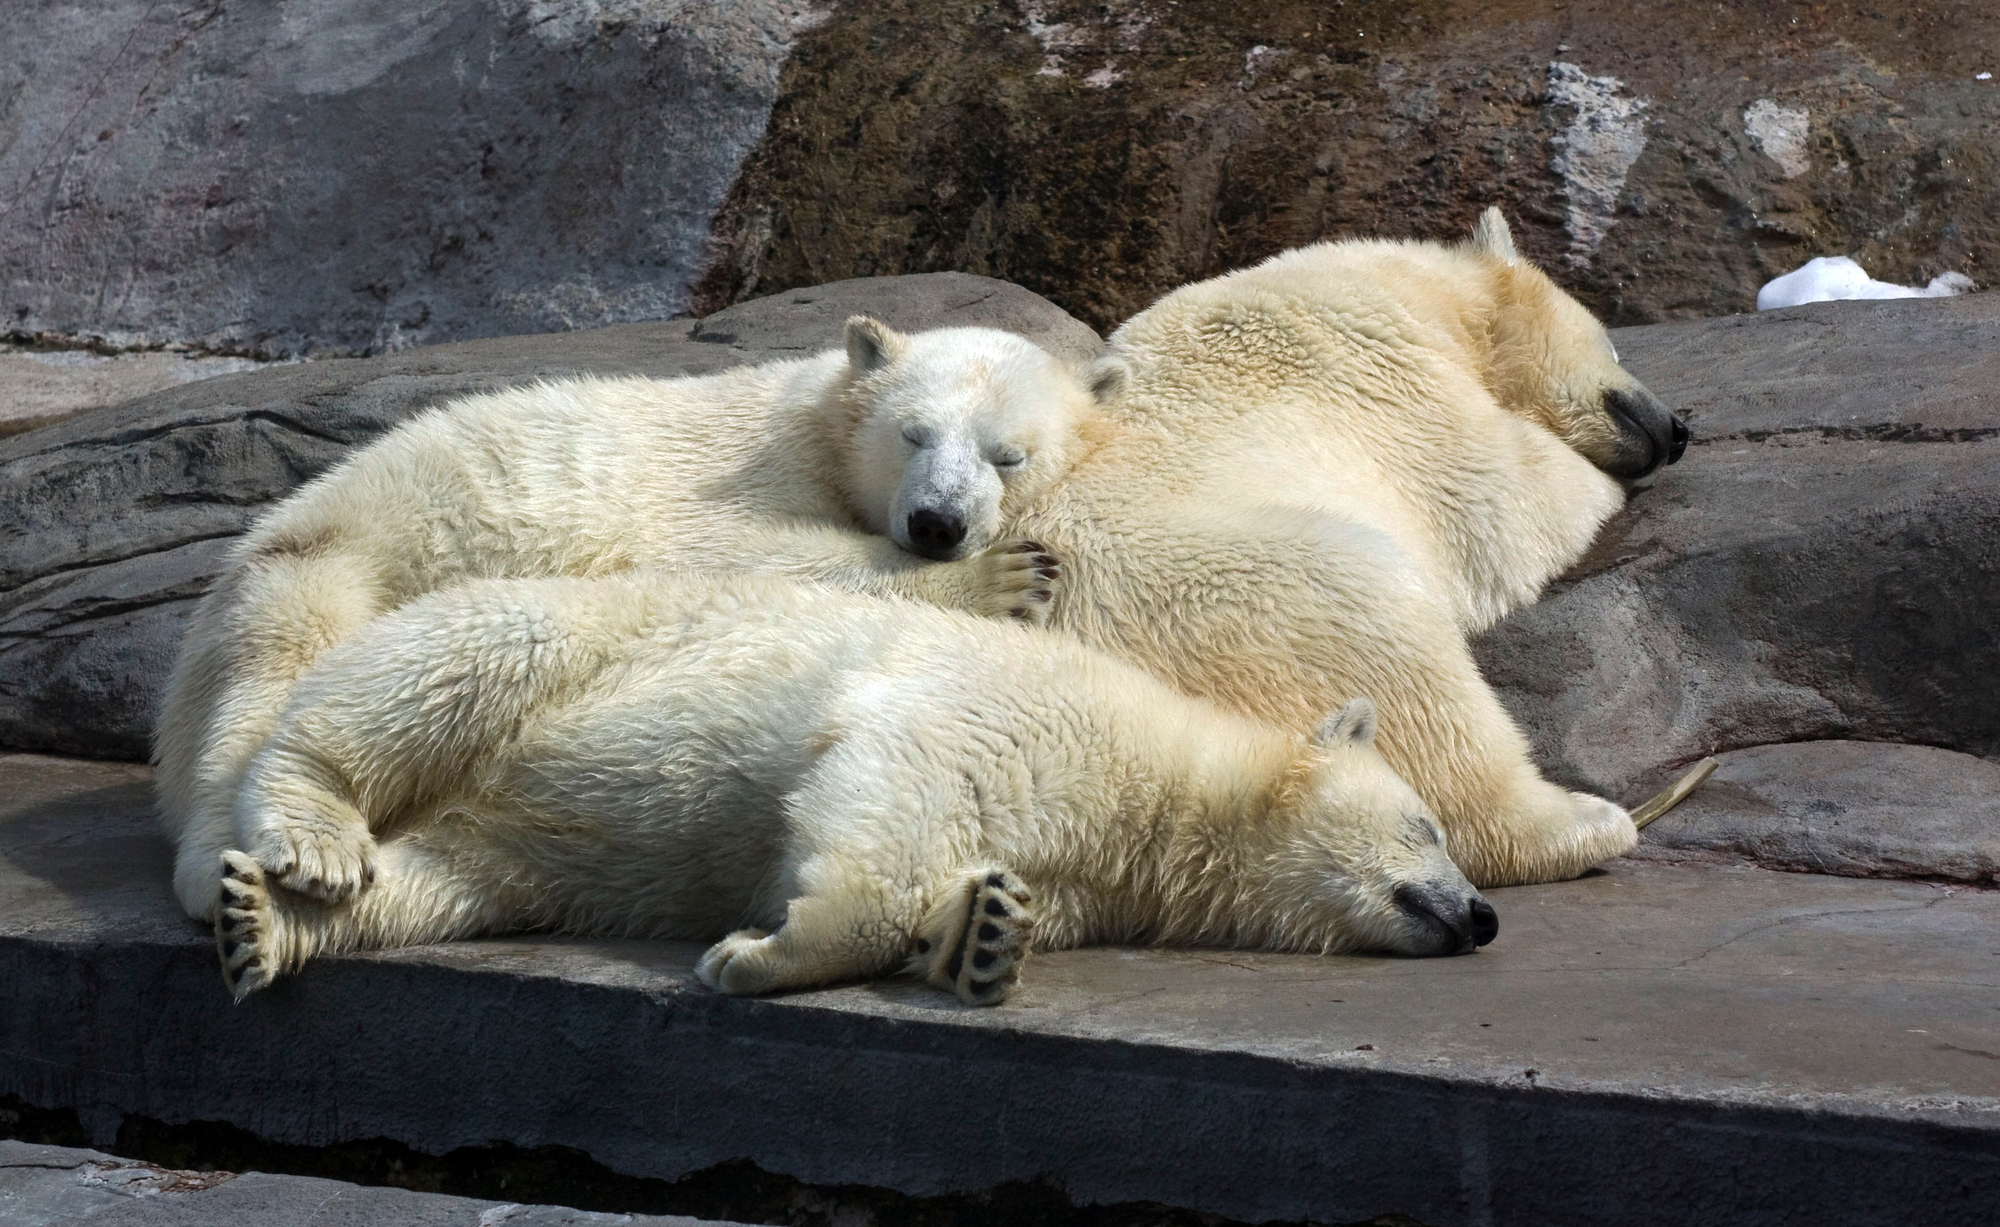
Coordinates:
1104	78
1833	278
1595	153
1054	36
1255	59
1781	133
1982	76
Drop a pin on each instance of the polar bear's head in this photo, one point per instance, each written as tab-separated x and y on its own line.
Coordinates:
1553	363
1361	865
951	432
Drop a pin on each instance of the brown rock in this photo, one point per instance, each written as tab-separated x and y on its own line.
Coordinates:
1103	153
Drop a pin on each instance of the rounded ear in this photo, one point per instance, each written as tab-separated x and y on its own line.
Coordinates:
872	344
1107	378
1493	237
1352	725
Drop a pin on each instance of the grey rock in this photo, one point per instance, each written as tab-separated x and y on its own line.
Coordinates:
40	386
112	523
1823	565
55	1186
1859	809
1824	1044
344	178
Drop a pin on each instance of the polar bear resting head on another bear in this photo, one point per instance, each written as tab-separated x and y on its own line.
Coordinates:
818	468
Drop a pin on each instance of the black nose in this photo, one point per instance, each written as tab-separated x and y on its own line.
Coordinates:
935	534
1485	922
1649	436
1454	922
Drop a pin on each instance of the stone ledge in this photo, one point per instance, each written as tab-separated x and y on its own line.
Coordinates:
59	1184
1632	1038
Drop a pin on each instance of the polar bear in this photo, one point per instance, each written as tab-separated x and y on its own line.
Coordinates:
1333	467
853	784
888	467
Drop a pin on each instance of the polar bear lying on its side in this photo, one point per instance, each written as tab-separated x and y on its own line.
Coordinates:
856	780
1331	469
833	467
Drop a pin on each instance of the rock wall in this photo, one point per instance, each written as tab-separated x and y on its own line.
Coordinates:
354	176
350	176
1663	159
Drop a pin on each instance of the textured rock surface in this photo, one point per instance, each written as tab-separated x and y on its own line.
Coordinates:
1824	563
63	1185
1665	158
1859	809
1826	1043
342	177
39	386
112	523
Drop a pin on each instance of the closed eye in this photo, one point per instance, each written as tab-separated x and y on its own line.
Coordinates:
916	436
1012	458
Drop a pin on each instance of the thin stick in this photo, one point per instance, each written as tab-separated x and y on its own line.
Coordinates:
1673	796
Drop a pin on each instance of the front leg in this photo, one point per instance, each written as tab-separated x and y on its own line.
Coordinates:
1013	578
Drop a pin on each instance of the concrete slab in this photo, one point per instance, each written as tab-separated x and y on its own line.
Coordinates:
59	1186
1699	1044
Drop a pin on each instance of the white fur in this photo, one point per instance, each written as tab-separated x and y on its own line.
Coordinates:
834	774
1331	469
794	467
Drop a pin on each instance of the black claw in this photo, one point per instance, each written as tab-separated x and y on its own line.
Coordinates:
995	908
1040	594
1045	560
1033	547
989	932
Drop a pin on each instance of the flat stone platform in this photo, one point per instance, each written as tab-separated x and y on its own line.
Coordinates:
61	1186
1689	1043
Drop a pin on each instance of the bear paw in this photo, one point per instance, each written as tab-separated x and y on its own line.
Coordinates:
974	949
1017	579
735	965
244	926
316	845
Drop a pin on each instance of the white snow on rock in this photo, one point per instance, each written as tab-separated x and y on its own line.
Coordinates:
1595	153
1781	133
1829	278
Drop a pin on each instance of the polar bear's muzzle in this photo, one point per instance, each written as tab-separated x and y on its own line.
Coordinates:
1446	922
1649	435
948	505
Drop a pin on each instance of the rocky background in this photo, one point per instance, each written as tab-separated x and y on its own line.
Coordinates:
342	177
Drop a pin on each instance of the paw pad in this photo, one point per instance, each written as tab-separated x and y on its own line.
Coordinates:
978	954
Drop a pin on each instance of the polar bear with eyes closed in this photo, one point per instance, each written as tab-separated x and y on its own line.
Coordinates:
888	468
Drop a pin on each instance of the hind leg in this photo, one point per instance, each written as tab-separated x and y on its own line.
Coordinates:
250	642
407	706
263	931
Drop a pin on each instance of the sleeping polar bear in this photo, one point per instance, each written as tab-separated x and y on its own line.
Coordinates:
842	467
1333	467
851	782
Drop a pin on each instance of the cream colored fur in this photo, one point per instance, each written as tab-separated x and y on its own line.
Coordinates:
842	779
793	467
1333	468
